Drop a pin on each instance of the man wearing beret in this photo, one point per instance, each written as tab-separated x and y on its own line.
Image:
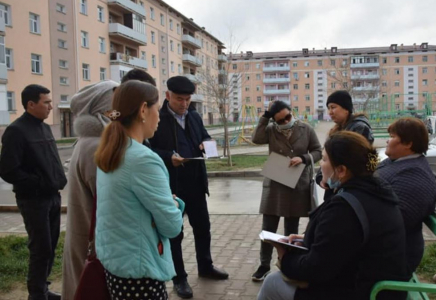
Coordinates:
180	135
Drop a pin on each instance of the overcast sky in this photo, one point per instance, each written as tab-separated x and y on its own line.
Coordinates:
283	25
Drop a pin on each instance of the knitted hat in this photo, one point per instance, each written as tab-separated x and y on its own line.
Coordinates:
341	98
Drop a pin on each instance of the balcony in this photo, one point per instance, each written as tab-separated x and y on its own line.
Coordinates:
365	65
276	80
2	25
135	62
222	57
365	88
188	58
197	98
276	69
3	73
366	77
127	6
222	72
192	77
277	92
127	34
189	39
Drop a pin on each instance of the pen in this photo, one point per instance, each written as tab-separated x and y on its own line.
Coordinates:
177	155
297	241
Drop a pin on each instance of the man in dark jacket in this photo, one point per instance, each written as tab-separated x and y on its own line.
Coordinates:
30	161
180	135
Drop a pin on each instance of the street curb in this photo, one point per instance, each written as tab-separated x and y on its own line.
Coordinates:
13	208
249	173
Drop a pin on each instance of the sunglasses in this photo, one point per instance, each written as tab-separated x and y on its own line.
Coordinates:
282	121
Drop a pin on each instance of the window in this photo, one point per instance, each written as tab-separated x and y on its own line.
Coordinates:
257	66
247	99
63	64
100	13
62	27
164	72
344	62
246	66
83	7
333	85
152	13
424	70
172	66
11	101
143	55
332	62
153	61
63	80
36	64
179	67
397	83
295	86
60	8
306	63
385	60
410	59
5	10
235	66
258	88
9	56
397	60
397	71
178	28
295	74
85	72
247	77
307	108
306	75
163	61
171	24
257	76
384	83
424	82
34	23
425	58
384	71
307	86
84	39
64	98
102	73
162	38
247	88
295	64
101	45
307	97
172	46
62	44
162	20
259	99
295	97
153	37
344	73
345	85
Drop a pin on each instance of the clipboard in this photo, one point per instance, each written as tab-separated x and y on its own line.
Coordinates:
277	168
271	237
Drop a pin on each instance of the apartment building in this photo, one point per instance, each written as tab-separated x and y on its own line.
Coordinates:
71	44
396	77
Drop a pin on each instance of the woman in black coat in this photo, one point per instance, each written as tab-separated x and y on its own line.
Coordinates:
355	239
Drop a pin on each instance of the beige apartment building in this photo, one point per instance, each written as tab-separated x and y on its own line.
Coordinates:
399	77
71	44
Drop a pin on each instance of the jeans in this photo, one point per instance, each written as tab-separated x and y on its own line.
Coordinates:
42	218
271	223
275	288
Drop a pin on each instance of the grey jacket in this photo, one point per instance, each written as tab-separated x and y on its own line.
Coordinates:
278	199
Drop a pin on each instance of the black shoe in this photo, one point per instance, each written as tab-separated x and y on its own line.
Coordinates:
214	273
53	296
183	289
261	273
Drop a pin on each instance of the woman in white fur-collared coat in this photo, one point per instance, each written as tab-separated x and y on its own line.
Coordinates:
89	106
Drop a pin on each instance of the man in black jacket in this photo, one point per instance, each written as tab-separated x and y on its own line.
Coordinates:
30	161
180	135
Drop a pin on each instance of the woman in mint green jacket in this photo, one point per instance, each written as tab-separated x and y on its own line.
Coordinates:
136	212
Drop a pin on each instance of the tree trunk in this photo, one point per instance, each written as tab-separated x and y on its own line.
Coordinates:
229	156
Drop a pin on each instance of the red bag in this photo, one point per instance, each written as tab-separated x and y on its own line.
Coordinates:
92	283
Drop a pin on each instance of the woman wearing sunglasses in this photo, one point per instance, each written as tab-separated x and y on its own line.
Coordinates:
290	137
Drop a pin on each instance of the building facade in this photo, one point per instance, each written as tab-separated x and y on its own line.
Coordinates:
397	77
71	44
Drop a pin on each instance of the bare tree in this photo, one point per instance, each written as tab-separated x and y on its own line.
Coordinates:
219	90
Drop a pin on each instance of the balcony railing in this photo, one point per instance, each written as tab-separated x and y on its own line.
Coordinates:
365	65
197	97
276	68
277	92
276	80
192	77
222	57
366	77
128	6
222	72
365	88
125	32
192	59
189	39
129	60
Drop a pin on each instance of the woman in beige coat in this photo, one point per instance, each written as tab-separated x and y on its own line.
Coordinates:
290	137
89	106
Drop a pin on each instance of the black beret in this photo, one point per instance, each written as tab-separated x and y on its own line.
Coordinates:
181	85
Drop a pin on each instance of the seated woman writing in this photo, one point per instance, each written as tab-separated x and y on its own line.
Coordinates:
355	238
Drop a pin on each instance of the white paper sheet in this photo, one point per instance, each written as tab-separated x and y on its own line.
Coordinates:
267	236
277	168
210	148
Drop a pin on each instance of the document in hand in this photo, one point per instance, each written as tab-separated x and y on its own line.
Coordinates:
210	148
271	237
277	168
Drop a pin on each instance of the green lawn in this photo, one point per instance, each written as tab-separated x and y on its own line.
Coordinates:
14	259
239	162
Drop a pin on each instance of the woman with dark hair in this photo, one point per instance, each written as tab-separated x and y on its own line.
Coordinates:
289	137
406	169
354	239
136	212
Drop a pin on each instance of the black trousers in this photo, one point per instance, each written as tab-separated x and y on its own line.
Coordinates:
198	215
42	218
